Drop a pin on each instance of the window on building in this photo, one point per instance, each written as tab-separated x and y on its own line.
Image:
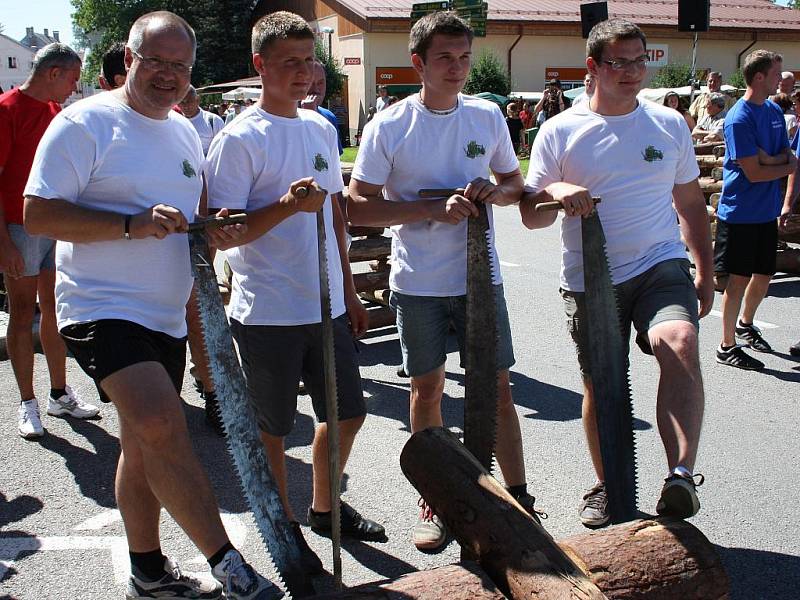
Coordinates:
12	62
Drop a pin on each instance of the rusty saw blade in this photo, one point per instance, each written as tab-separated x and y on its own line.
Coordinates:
609	365
244	442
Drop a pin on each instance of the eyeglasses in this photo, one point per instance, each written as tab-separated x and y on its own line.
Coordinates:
618	64
151	63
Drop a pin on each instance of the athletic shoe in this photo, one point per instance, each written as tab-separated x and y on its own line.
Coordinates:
527	502
174	584
679	496
241	582
594	508
736	357
29	423
312	565
71	405
353	525
751	336
794	349
430	533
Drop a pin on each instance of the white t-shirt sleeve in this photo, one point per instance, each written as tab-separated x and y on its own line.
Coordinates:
504	159
216	124
544	167
230	172
687	169
337	182
63	162
373	163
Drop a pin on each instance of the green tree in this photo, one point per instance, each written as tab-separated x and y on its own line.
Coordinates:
736	79
488	75
334	76
672	75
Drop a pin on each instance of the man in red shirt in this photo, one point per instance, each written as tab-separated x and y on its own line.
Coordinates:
27	261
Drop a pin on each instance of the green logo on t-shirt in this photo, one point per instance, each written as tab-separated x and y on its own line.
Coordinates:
188	170
474	150
651	154
320	164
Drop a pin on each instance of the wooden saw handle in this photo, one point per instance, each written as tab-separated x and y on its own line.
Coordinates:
543	206
217	222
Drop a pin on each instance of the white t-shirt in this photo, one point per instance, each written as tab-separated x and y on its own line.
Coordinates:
406	148
207	125
381	103
101	154
631	162
713	124
251	165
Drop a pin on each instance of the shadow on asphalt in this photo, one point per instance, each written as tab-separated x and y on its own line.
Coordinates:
784	288
17	509
760	573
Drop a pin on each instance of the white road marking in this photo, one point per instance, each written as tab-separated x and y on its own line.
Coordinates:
96	522
757	323
508	264
236	530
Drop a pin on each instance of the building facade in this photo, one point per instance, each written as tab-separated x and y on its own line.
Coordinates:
15	63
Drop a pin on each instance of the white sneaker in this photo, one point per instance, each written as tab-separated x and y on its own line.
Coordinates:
241	582
29	423
71	405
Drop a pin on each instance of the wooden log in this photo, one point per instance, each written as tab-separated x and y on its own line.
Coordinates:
371	281
379	296
708	161
719	151
653	559
364	231
382	264
709	186
518	554
370	249
464	581
380	316
788	261
714	200
716	173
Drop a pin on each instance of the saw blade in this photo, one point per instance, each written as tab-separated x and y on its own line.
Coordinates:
331	395
609	367
480	346
238	417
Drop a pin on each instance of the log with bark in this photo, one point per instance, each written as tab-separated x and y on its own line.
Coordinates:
371	281
380	316
364	231
370	249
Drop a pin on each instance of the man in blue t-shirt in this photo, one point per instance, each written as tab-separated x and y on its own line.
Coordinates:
792	192
757	157
316	94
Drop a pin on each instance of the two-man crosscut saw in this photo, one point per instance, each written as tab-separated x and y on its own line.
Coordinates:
238	417
608	358
480	343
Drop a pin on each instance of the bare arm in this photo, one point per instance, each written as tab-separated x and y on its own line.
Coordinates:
576	200
792	192
757	172
505	192
691	208
359	320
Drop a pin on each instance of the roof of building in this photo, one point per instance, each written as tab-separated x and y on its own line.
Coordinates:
748	14
39	40
15	42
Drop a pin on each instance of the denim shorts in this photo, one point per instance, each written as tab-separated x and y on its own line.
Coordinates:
39	253
665	292
424	323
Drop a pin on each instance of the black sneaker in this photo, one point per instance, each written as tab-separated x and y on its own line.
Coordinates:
679	496
312	565
527	502
736	357
353	525
751	336
401	371
594	508
794	349
213	416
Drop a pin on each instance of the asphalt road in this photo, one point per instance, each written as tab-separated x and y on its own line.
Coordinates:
61	537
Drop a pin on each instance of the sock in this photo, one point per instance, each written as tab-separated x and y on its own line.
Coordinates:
743	324
682	471
726	348
327	512
217	557
518	490
148	565
56	393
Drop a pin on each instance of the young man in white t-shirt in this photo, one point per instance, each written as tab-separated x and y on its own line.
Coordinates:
257	164
123	280
206	124
638	158
440	138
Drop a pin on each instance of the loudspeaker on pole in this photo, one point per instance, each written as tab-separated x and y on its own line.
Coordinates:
591	14
694	15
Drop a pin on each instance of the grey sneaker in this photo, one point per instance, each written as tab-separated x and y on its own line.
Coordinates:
70	404
429	534
679	496
174	584
29	422
241	582
751	336
594	508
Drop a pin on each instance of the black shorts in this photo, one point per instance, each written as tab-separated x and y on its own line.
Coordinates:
276	357
109	345
745	248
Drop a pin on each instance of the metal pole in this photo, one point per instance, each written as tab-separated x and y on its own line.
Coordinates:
694	64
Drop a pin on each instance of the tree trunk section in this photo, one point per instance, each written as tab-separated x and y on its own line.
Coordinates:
380	316
370	249
371	281
517	553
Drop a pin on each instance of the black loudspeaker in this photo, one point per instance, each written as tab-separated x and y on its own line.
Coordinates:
694	15
591	14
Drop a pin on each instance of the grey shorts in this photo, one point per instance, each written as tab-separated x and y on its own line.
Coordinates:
665	292
424	323
276	357
39	253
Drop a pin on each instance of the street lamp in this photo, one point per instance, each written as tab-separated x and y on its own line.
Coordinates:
329	31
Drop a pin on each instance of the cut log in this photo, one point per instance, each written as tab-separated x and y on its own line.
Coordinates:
719	151
716	173
464	581
370	249
658	559
518	554
380	316
708	161
708	185
788	261
371	281
364	231
382	264
379	296
714	200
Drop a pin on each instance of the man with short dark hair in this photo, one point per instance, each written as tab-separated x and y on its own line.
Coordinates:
25	259
648	167
429	237
381	100
698	109
112	70
757	157
709	128
126	325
